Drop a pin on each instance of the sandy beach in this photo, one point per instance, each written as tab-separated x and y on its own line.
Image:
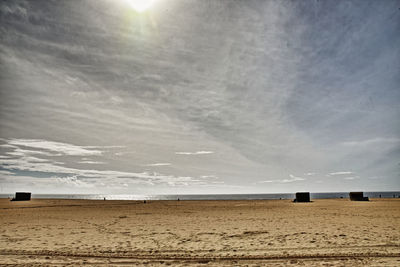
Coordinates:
253	233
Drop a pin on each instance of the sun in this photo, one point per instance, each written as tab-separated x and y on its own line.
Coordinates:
141	5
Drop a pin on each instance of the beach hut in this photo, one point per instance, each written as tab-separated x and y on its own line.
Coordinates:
22	196
302	197
357	196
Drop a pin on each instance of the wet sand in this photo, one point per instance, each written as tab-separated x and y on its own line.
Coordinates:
180	233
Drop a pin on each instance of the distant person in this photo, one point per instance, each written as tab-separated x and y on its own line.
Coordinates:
104	199
380	196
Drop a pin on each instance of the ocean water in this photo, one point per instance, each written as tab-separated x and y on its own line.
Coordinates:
385	194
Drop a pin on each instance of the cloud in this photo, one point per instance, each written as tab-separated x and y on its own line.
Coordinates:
182	181
90	162
31	161
58	147
72	181
339	173
195	153
124	153
216	182
22	152
372	142
267	181
291	180
158	164
6	145
32	164
209	177
350	178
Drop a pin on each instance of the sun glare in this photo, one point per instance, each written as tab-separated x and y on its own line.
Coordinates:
141	5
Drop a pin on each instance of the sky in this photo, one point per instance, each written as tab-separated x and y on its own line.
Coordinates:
199	96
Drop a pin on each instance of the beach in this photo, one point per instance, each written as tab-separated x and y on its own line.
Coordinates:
325	232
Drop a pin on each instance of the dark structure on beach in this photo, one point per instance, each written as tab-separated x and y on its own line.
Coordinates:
22	196
357	196
302	197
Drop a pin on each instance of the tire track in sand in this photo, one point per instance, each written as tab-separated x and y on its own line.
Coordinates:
198	258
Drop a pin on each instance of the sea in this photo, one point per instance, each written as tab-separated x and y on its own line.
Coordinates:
326	195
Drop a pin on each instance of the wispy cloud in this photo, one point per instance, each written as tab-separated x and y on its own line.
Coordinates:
267	181
32	161
21	152
158	164
32	164
124	153
6	145
291	180
372	142
195	153
72	181
90	162
57	147
339	173
351	178
209	177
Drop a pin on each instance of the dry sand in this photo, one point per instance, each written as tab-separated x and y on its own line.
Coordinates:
253	233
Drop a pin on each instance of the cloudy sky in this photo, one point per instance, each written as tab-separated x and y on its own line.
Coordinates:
198	96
